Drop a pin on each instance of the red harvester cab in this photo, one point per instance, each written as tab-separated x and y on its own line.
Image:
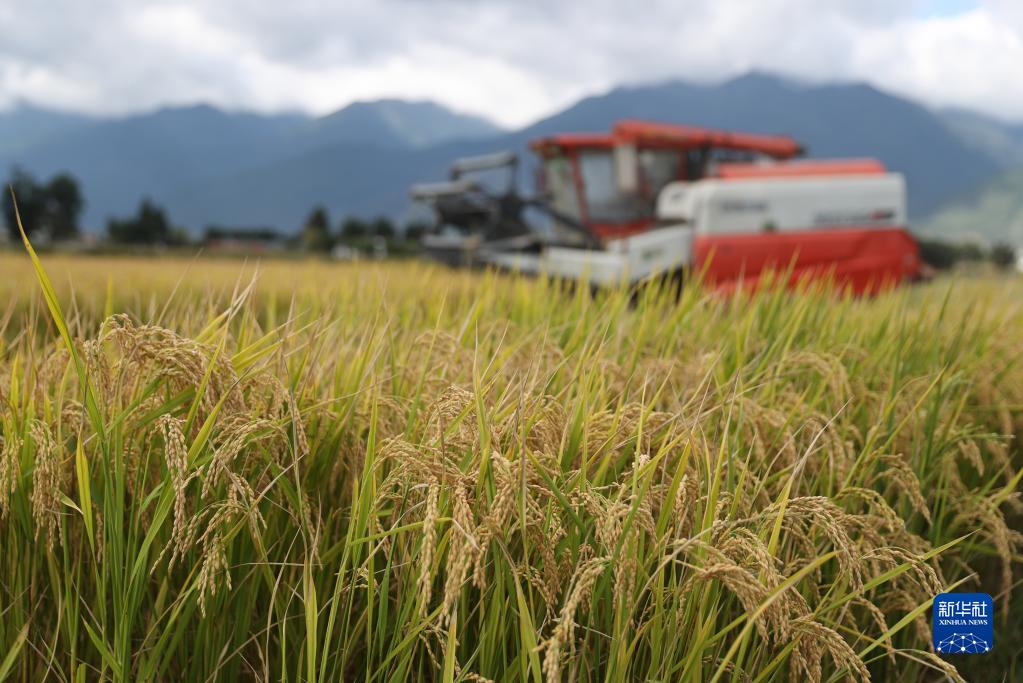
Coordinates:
752	207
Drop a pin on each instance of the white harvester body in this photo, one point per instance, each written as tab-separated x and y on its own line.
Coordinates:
624	260
716	206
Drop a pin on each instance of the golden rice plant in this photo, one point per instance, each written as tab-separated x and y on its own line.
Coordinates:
304	471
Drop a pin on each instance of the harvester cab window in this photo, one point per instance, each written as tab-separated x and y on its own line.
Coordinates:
559	185
714	157
604	202
657	168
696	163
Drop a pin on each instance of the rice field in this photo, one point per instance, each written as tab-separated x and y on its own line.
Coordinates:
213	470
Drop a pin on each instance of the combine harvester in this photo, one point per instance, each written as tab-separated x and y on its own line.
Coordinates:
652	199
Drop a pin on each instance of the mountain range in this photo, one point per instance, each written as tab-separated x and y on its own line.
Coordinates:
210	166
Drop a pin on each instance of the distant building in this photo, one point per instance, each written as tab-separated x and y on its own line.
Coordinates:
343	252
379	247
242	240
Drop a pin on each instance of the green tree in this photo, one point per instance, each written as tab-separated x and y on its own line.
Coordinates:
148	226
353	228
971	251
64	204
31	203
51	209
415	230
316	231
1003	256
938	254
383	227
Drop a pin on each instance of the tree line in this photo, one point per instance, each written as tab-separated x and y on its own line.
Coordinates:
51	210
944	255
317	235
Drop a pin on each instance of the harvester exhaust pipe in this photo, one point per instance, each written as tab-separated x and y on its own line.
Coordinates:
484	162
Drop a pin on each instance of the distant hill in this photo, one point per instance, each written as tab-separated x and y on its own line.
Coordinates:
119	161
397	123
24	125
206	165
989	215
171	153
361	180
1001	141
991	212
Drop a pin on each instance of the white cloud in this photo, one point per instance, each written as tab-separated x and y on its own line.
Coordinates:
511	60
970	60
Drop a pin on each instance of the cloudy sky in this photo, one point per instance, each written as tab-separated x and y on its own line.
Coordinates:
510	60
